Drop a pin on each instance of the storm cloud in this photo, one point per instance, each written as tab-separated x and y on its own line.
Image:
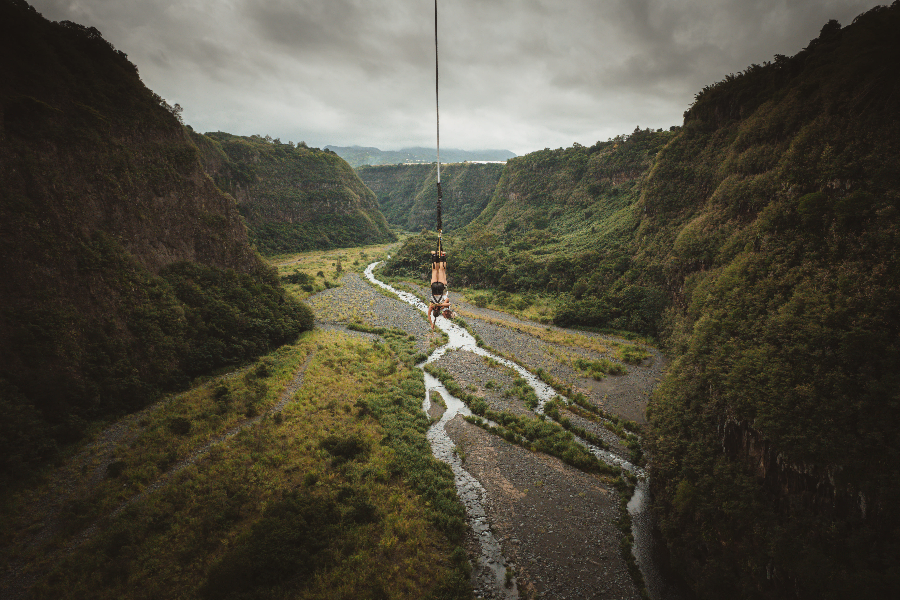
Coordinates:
515	74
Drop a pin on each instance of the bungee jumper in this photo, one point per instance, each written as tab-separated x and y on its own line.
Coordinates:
439	303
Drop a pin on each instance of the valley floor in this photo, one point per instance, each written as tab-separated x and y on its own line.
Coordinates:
558	527
163	498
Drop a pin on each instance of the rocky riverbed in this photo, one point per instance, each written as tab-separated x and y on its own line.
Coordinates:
557	527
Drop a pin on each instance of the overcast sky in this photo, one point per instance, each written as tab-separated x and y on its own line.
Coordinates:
515	74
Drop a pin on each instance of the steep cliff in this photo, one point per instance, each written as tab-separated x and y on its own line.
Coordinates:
294	198
407	194
773	224
125	269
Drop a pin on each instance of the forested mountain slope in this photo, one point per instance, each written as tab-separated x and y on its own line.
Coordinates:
772	223
407	194
125	269
759	242
562	221
294	198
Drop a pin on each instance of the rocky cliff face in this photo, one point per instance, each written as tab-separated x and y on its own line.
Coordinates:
772	223
816	487
104	202
293	198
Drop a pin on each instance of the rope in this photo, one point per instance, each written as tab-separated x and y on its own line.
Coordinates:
437	104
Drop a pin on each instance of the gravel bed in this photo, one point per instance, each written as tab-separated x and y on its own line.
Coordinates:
356	299
556	524
326	326
623	395
474	373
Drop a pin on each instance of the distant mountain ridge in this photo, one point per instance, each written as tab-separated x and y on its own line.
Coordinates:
361	155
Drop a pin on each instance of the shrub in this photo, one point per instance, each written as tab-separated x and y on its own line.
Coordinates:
114	469
283	549
344	448
179	425
598	369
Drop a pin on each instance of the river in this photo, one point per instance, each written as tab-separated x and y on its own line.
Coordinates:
471	491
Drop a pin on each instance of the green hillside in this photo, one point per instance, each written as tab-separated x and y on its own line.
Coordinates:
561	222
126	271
759	243
772	222
407	194
293	198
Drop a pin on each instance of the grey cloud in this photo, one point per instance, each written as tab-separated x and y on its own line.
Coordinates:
520	74
374	39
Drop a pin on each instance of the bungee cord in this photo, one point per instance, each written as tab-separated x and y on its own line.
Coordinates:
438	113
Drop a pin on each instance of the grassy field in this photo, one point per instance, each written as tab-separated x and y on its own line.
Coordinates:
532	307
320	500
308	273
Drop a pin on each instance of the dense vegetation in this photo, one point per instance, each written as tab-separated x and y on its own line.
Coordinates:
407	194
294	198
358	156
759	242
775	220
125	270
560	221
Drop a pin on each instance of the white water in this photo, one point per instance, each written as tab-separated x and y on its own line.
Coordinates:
470	490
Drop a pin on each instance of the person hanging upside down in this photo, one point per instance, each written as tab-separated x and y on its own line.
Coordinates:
439	303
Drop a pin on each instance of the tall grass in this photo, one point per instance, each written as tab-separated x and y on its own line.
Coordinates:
338	498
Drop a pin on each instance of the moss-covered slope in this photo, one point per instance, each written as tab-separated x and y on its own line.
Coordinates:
125	269
407	194
293	198
773	224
